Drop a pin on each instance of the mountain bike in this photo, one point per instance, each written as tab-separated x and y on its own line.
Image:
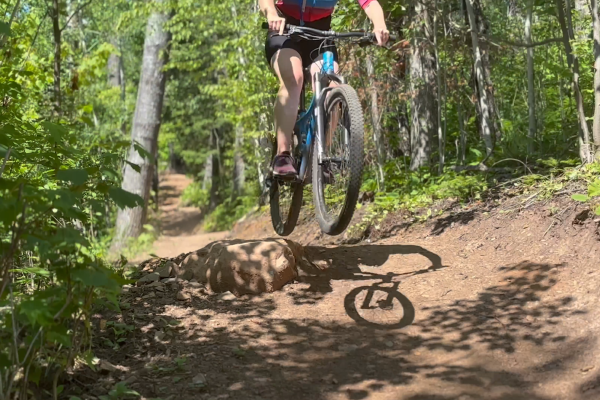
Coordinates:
328	145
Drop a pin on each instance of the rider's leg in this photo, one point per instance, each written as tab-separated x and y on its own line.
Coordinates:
288	68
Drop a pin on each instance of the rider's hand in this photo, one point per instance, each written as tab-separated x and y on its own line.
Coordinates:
276	23
382	35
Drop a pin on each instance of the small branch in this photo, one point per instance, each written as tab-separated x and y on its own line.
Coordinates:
550	227
37	32
520	44
514	159
81	7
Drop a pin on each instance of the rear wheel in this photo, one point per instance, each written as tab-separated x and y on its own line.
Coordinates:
285	200
338	175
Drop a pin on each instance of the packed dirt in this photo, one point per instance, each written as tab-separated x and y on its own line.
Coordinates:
494	301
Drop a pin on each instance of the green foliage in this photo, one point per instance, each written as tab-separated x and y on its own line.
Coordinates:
228	212
406	190
593	189
194	195
59	185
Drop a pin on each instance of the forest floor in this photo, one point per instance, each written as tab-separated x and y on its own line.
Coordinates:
496	301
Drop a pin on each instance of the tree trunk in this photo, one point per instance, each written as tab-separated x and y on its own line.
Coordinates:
484	105
596	128
483	30
57	34
208	165
375	121
239	166
422	84
573	61
403	130
462	143
145	129
438	80
530	79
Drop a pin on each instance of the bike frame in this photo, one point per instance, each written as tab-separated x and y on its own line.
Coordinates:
311	122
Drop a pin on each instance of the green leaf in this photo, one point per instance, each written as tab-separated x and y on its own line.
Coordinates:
597	210
594	189
57	132
75	176
135	167
4	28
580	197
143	152
125	199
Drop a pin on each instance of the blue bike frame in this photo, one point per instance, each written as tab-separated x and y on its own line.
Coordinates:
310	123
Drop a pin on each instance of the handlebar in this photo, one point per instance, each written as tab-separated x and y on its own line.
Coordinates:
365	36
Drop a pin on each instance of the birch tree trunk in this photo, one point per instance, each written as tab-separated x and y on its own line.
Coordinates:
573	61
422	84
238	163
530	79
484	105
596	127
375	121
145	129
438	80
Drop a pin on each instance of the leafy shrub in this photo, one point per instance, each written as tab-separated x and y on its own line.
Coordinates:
227	213
56	190
194	195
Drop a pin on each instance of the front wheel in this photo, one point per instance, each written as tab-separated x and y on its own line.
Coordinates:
337	177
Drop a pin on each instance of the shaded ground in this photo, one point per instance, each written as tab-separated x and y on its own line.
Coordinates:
491	306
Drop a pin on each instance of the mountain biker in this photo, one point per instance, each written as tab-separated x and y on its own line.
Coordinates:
288	58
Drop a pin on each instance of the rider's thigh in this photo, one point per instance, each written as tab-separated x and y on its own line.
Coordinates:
287	65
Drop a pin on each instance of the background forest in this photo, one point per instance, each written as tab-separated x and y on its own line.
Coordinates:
98	97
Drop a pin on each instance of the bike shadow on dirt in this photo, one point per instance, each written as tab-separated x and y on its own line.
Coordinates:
322	265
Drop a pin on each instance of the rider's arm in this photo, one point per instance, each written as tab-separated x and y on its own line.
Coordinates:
276	23
375	14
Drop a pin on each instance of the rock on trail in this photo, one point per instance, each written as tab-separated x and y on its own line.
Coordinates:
240	267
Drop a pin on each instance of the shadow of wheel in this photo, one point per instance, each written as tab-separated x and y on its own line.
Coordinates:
379	307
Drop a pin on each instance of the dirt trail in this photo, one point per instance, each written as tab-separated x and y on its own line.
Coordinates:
180	226
476	305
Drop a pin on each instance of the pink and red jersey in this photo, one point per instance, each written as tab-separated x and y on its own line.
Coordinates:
311	10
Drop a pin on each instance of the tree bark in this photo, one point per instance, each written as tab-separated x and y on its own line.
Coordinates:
573	61
462	143
596	127
438	80
146	126
375	121
530	79
483	31
484	105
422	84
208	165
57	34
239	166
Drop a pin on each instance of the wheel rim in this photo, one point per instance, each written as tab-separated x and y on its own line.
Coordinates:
335	167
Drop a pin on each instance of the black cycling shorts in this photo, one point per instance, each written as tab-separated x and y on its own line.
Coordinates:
309	50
